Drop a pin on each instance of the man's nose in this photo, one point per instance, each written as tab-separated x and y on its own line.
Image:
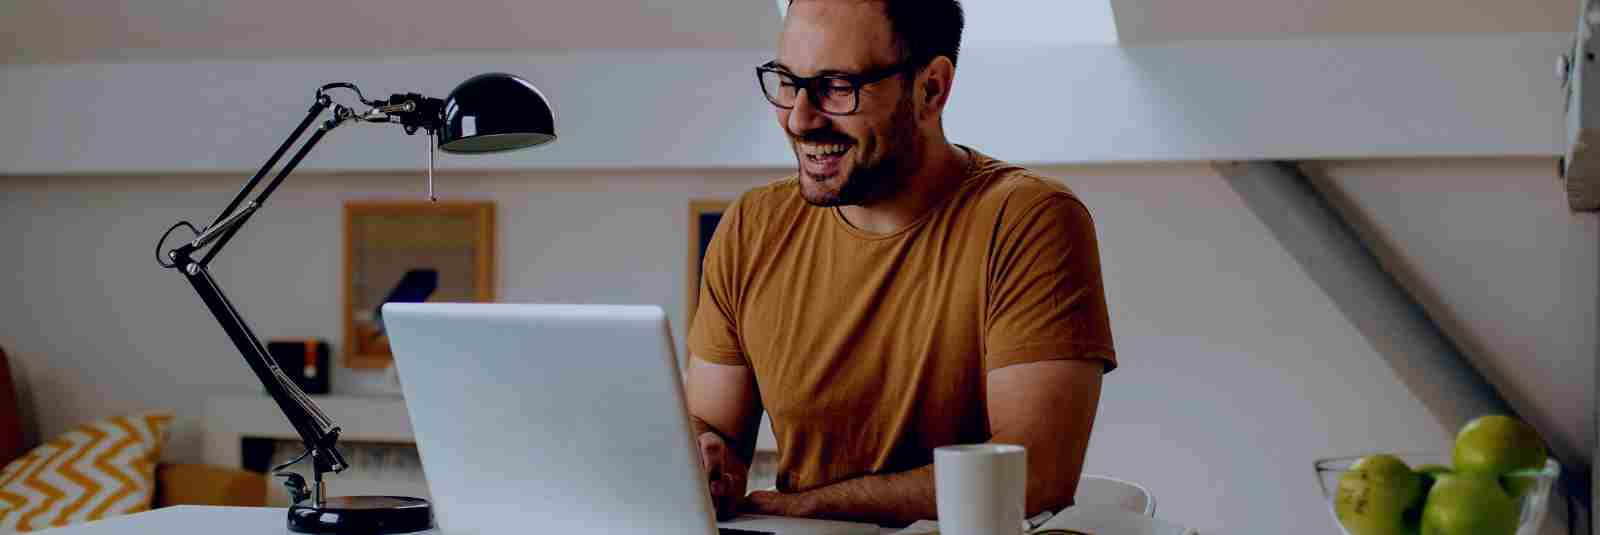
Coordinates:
805	116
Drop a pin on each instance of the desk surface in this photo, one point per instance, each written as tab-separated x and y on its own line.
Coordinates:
198	520
189	519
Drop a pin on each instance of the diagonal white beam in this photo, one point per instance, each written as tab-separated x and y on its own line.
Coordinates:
1333	254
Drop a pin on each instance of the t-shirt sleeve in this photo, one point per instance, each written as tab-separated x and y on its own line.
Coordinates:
1046	299
714	333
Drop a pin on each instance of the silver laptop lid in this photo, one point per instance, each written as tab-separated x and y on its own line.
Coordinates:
549	418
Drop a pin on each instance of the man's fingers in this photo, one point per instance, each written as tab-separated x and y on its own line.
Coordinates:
711	443
711	453
727	508
726	501
724	488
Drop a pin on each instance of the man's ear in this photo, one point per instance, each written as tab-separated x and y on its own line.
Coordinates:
935	84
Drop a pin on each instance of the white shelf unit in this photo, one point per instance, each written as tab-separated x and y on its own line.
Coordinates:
228	420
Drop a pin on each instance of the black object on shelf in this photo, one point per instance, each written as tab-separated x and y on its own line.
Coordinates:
487	113
255	453
306	362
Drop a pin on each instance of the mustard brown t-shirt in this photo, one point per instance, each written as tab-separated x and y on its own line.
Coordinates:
869	350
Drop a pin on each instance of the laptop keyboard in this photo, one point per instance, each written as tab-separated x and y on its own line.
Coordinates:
731	531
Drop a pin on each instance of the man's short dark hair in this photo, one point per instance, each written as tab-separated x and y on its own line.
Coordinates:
925	29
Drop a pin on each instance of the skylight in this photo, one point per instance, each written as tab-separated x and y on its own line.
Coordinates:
1038	22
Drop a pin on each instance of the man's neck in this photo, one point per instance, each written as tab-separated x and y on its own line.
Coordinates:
925	186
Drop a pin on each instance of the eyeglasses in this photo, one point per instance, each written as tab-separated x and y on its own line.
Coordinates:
833	93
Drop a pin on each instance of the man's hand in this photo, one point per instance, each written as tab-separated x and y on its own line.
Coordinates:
727	473
724	407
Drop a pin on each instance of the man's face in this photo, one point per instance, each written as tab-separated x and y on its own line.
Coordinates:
847	159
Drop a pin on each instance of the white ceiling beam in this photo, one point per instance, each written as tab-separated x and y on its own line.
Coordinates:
1295	99
1154	21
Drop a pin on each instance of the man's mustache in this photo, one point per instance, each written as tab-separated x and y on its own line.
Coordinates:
822	137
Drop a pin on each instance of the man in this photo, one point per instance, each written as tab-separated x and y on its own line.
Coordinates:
899	294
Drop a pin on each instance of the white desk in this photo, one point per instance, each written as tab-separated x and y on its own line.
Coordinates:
191	520
197	520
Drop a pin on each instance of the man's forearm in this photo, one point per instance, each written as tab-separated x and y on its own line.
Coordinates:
905	497
889	499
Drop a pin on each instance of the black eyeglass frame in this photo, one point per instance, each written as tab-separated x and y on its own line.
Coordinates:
812	83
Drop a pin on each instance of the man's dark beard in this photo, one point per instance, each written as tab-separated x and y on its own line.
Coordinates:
868	184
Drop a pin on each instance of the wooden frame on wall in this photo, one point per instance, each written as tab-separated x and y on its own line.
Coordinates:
387	243
704	215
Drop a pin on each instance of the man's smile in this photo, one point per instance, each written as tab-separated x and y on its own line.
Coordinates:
822	160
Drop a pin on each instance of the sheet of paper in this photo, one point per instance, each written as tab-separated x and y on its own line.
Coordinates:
921	527
929	527
1111	520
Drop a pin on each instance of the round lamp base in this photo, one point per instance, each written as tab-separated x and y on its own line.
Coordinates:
362	515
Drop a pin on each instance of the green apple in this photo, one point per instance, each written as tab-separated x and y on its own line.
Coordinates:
1468	505
1495	445
1431	473
1374	495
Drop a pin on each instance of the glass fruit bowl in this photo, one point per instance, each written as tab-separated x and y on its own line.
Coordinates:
1530	506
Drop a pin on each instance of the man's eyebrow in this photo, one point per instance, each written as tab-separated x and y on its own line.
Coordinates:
823	72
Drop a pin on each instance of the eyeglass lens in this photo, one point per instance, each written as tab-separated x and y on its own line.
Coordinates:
831	95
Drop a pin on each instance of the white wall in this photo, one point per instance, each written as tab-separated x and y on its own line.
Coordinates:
1237	372
96	327
1489	247
1086	103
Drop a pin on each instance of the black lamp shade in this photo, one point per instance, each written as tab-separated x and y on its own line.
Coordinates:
495	112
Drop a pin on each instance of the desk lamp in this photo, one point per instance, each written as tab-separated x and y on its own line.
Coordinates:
488	113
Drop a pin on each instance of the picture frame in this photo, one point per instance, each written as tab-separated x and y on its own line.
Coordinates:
704	216
410	251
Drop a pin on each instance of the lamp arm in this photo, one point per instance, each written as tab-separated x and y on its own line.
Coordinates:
321	103
318	432
232	225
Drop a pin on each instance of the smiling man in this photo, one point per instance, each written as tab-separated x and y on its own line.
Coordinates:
899	294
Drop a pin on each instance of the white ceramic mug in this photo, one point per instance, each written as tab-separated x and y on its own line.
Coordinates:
981	489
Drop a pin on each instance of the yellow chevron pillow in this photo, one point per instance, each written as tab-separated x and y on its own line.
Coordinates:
98	470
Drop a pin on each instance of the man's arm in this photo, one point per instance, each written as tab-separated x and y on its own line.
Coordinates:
724	399
725	412
1046	406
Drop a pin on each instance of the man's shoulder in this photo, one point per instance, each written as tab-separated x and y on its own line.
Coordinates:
778	200
755	210
776	195
1011	191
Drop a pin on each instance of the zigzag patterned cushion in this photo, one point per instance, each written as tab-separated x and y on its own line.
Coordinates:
98	470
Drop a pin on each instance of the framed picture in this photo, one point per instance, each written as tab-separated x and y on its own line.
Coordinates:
410	251
704	215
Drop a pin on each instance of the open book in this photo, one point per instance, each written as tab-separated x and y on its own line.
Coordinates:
1085	519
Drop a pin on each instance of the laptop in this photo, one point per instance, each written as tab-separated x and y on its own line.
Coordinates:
558	419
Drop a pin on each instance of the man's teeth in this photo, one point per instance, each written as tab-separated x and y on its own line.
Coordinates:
822	150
